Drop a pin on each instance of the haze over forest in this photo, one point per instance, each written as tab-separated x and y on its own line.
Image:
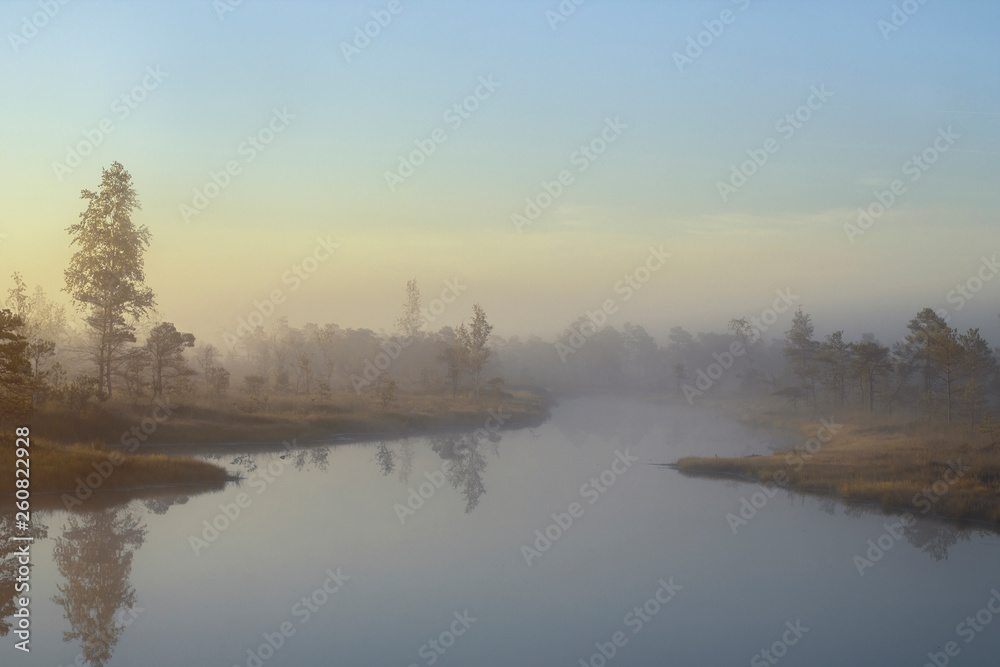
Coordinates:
339	125
475	332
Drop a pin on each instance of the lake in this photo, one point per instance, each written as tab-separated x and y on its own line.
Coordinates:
566	544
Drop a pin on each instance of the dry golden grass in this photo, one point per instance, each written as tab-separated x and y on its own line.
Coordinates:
58	461
56	468
890	461
208	420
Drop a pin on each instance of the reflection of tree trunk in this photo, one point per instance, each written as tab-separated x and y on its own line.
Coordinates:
94	554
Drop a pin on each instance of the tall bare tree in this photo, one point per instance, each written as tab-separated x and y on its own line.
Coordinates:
206	356
476	340
453	356
105	275
411	320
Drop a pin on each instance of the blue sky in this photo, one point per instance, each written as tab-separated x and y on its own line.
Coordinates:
657	183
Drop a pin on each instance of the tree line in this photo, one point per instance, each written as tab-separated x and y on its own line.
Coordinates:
106	282
936	370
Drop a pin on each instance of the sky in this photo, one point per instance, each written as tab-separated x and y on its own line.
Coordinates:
739	137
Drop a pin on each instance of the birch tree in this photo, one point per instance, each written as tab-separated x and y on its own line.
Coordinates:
105	275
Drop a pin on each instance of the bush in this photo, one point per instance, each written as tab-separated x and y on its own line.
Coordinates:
386	391
218	379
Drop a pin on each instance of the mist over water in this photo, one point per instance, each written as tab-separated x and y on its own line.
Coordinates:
552	332
333	507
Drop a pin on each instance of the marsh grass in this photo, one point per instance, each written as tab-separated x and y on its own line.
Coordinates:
886	460
56	468
66	446
199	419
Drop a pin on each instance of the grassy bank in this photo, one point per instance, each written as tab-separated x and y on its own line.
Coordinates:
204	420
62	468
895	462
59	461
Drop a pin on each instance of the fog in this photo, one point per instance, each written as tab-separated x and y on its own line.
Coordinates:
496	332
347	121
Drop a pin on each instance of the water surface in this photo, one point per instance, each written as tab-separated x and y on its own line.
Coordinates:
122	585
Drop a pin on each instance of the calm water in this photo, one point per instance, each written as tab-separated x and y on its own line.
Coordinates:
125	581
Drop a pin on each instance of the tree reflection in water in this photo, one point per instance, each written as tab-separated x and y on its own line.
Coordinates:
301	458
94	554
405	461
465	452
932	536
9	566
312	457
386	458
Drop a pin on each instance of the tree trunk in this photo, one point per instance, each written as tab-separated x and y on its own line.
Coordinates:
871	392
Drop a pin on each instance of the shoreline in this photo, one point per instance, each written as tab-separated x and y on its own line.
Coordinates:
289	417
895	464
68	467
528	420
816	492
